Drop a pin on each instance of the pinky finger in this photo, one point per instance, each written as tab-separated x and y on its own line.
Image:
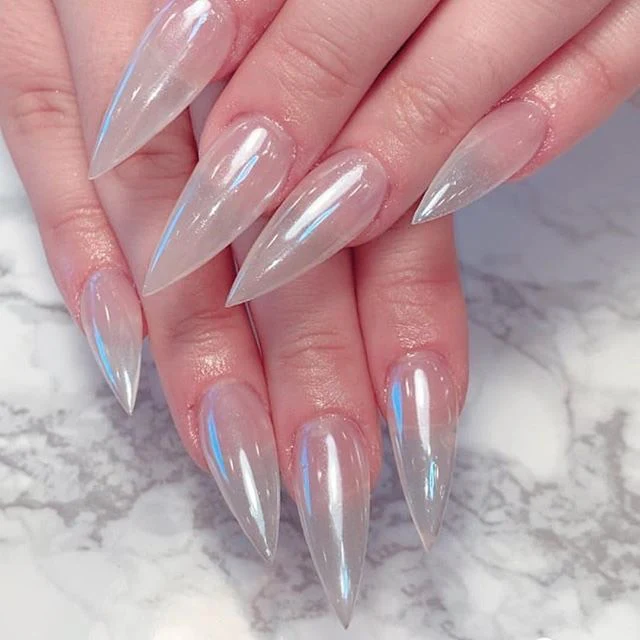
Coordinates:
587	79
40	122
569	95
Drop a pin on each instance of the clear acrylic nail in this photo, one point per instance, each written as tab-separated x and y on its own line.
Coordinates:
235	182
499	146
182	49
111	317
325	212
239	446
422	414
331	482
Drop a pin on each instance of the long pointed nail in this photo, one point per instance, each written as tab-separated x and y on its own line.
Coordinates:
501	144
111	318
240	450
182	49
232	186
422	413
331	485
327	210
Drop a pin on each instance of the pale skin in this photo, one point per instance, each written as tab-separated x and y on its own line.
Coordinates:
410	91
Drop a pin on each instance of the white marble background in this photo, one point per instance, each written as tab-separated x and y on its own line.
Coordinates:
109	532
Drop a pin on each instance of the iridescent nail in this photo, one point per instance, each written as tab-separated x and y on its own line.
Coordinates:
182	49
422	413
493	151
233	185
331	483
239	446
327	210
111	317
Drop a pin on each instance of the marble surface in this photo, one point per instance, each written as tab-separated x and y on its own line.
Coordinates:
109	532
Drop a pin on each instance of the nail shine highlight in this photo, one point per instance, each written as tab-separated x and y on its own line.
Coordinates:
235	182
499	146
184	46
111	318
422	414
240	450
328	209
331	485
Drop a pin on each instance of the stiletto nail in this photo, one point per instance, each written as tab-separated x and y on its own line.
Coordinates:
422	413
240	450
232	186
331	484
327	210
501	144
182	49
111	318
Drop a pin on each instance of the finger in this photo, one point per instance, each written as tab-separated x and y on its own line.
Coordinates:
414	327
575	89
582	84
185	45
39	119
207	359
317	58
448	76
325	418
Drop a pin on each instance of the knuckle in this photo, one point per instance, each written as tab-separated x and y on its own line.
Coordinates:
429	107
599	74
413	288
316	63
78	221
41	107
204	330
307	350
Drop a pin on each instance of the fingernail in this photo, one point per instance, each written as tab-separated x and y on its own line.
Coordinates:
327	210
240	450
232	186
182	49
501	144
422	413
331	485
111	318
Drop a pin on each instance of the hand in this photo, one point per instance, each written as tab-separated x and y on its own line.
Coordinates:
336	344
329	81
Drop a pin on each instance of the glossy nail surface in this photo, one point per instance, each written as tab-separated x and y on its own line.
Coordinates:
501	144
239	447
327	210
181	50
233	185
111	318
331	477
422	413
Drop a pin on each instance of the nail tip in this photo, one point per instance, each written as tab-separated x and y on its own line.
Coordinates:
150	287
428	212
345	619
235	298
427	539
266	544
267	552
98	167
